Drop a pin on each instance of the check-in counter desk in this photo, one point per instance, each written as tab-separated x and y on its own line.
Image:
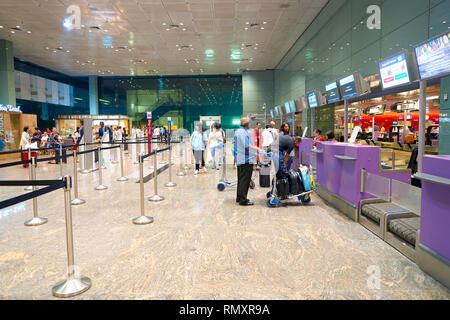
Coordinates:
433	254
339	168
305	151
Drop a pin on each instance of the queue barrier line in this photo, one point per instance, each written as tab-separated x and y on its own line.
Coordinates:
30	195
16	163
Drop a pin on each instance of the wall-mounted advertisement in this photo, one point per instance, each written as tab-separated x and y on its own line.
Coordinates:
394	71
271	113
433	57
287	108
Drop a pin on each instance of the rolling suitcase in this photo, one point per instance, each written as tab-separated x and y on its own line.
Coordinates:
264	176
295	183
283	188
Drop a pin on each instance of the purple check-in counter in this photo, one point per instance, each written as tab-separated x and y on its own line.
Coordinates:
339	166
434	247
305	151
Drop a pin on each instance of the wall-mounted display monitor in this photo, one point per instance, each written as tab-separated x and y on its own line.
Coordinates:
292	106
333	94
271	113
433	57
348	87
298	106
312	100
277	112
353	86
394	71
304	102
287	107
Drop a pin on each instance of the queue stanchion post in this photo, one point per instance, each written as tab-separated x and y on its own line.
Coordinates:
100	157
85	170
29	188
122	175
77	201
115	156
142	219
138	152
143	146
100	172
170	184
163	161
36	220
182	172
75	284
60	162
155	197
186	166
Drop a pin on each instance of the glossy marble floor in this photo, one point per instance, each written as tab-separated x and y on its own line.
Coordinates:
200	246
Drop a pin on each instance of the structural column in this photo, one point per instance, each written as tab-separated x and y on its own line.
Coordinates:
93	95
7	75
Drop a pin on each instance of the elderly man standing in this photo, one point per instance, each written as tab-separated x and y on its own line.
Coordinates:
245	159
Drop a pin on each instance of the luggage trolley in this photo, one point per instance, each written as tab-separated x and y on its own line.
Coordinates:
224	182
305	198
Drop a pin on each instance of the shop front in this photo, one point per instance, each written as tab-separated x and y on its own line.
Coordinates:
12	122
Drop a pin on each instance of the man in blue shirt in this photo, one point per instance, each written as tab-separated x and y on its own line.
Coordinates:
245	159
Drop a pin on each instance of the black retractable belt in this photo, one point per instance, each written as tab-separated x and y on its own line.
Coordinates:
27	196
11	164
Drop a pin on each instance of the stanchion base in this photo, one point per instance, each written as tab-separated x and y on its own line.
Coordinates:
122	179
36	221
115	162
156	198
101	187
170	184
187	168
71	287
142	220
103	167
76	202
181	174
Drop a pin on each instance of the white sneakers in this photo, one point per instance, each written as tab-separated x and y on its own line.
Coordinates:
196	172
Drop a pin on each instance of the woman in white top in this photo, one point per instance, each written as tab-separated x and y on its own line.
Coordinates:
215	144
26	137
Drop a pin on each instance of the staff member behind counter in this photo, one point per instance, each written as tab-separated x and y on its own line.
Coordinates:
245	159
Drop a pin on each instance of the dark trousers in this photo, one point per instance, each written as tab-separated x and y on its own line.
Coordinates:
197	161
244	172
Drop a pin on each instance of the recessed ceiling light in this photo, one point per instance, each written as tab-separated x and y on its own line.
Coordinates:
67	51
18	27
184	29
167	29
164	24
246	28
1	27
247	22
90	30
181	24
264	22
28	32
262	28
12	31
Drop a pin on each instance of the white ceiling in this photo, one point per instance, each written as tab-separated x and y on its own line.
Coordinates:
214	34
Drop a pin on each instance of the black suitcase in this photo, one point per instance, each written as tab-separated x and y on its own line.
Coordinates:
283	188
58	156
295	183
264	176
264	181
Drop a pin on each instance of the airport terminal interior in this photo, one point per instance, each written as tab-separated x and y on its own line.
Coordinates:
225	149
